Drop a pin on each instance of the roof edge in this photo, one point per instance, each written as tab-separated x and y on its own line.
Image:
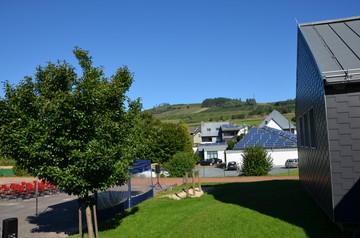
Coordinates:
330	21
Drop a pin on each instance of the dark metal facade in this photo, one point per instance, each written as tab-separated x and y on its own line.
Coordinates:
328	115
343	117
314	162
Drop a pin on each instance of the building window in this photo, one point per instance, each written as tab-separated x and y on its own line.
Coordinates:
312	128
306	130
212	154
208	129
301	122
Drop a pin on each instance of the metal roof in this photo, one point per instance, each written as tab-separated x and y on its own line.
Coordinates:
211	128
279	119
335	45
212	146
230	127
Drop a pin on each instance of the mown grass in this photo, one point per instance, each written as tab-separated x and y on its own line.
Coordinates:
290	172
252	209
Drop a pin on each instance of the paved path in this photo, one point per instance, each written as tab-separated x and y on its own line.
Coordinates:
56	215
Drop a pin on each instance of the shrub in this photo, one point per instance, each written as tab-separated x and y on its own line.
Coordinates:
181	162
6	162
256	161
20	172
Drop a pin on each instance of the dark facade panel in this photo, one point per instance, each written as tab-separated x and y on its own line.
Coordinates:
314	163
330	165
345	155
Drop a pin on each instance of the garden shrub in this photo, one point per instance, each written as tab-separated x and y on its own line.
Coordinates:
20	172
256	161
180	163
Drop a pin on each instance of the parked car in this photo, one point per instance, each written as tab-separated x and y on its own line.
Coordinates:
232	165
207	162
218	161
292	163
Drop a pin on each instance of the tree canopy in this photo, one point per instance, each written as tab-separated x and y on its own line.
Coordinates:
77	132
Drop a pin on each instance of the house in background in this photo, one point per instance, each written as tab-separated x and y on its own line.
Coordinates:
210	131
230	132
328	115
276	120
214	138
212	151
215	132
195	134
280	145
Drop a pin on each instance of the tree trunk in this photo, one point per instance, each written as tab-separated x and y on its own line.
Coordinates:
95	221
89	217
80	219
95	215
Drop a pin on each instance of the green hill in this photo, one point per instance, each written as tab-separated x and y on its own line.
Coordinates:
223	109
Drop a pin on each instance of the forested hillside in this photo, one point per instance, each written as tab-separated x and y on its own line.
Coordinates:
223	109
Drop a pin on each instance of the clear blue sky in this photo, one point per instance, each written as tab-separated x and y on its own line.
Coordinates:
179	51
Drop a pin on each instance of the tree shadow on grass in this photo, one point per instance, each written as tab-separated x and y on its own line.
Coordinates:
64	218
285	199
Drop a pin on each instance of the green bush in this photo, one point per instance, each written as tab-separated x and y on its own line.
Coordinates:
19	172
181	162
6	162
256	161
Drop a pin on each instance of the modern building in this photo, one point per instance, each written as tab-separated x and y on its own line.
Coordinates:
229	132
280	145
195	134
210	131
328	115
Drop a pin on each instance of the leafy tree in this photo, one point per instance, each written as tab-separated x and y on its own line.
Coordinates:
256	161
75	132
149	130
250	101
181	162
171	138
231	144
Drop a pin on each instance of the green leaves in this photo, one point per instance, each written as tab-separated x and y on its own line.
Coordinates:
77	133
256	161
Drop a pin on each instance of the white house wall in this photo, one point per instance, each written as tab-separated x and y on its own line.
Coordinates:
221	155
274	125
279	156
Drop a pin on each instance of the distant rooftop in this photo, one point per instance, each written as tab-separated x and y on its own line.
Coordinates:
279	119
268	138
230	127
335	45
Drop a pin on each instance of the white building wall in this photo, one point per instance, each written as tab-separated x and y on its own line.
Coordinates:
279	156
273	124
221	155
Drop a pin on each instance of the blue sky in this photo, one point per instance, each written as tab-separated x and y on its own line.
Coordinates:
179	51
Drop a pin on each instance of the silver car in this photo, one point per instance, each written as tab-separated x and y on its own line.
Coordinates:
292	163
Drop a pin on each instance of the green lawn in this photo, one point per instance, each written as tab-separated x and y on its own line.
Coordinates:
290	172
252	209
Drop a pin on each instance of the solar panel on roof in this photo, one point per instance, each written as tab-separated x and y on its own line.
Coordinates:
267	137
